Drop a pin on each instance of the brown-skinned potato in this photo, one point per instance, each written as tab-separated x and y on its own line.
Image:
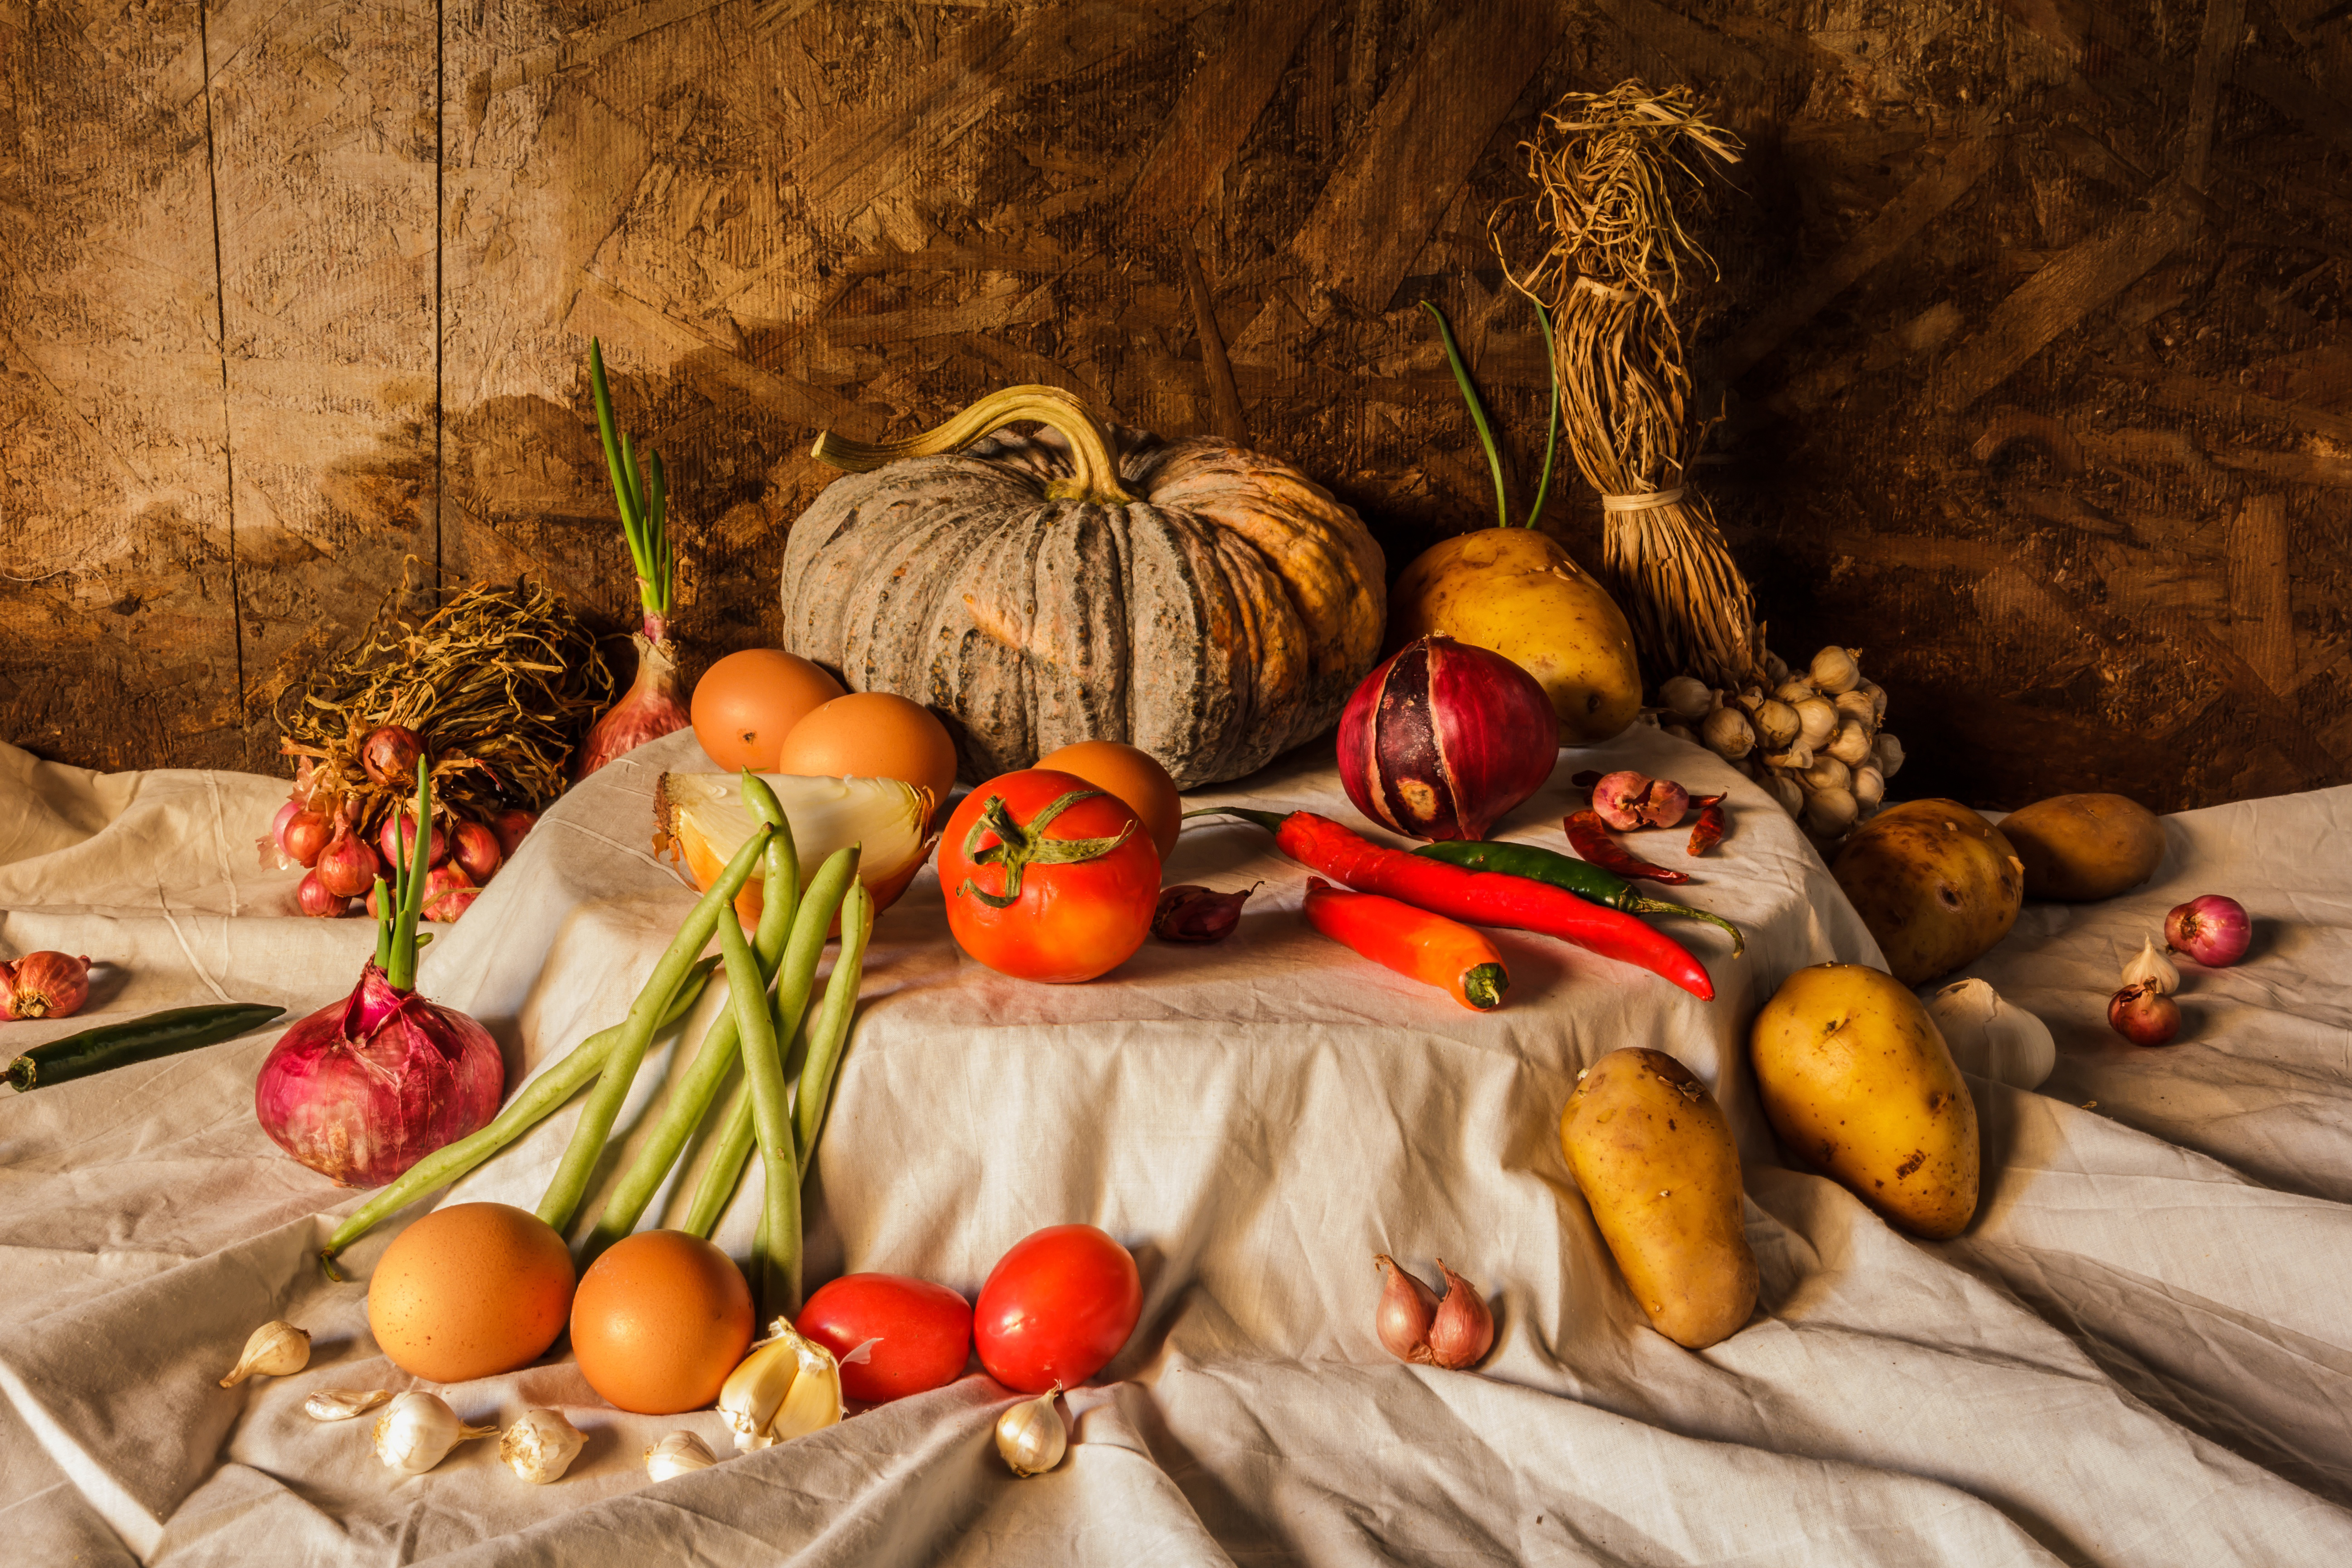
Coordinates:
1936	884
2078	847
1656	1160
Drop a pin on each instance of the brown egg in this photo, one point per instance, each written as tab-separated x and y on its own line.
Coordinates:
746	704
1132	775
471	1290
872	735
660	1321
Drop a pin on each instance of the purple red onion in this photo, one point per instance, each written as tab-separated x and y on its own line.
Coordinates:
2211	929
1444	738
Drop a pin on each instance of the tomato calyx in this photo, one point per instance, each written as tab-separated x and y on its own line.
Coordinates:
1020	845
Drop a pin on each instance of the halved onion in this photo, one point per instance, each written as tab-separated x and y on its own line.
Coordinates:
701	818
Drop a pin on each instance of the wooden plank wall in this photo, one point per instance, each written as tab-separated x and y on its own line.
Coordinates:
2029	340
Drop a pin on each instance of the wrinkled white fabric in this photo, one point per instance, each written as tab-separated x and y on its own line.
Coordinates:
2139	1353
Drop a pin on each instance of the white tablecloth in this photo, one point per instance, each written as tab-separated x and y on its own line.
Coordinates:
2140	1352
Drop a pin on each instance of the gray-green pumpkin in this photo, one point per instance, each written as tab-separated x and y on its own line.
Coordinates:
1209	604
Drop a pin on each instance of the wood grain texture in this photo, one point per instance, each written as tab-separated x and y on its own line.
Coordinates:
2059	442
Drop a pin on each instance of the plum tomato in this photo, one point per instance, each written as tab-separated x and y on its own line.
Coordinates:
924	1329
1049	878
1057	1308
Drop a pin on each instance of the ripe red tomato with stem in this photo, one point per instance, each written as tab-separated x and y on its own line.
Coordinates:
1047	877
1057	1308
924	1329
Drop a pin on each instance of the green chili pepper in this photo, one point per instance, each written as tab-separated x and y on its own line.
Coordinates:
1581	878
134	1040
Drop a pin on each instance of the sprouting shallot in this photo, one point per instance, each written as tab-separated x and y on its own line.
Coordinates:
653	706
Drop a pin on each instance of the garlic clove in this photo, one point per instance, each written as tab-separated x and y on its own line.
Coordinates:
1728	733
276	1349
1836	670
1777	724
343	1404
1686	698
1464	1329
679	1454
541	1446
1828	773
1829	812
786	1387
1817	720
418	1430
1886	752
1030	1436
2151	968
1869	788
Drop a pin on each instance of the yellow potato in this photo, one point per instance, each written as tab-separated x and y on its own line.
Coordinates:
1936	884
2080	847
1860	1085
1656	1161
1518	592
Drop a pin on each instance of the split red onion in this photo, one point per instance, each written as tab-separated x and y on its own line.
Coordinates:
44	984
510	825
314	898
389	753
477	849
347	867
364	1087
399	837
1444	738
650	708
305	833
2143	1015
2211	929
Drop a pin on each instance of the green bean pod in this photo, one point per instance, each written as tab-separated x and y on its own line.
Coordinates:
775	1267
831	1031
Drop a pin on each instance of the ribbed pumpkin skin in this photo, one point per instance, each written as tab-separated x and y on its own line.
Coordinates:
1219	620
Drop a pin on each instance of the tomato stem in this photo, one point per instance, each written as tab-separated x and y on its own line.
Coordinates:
1020	847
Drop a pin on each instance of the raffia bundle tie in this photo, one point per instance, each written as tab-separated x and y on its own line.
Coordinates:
1643	503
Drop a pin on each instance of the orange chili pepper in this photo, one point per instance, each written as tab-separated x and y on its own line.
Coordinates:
1415	944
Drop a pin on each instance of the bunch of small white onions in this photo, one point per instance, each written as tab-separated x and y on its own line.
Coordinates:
1815	741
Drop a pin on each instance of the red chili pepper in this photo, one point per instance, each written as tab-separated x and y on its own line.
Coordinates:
1480	898
1588	837
1708	831
1415	944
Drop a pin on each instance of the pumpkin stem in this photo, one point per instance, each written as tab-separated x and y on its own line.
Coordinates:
1019	847
1097	476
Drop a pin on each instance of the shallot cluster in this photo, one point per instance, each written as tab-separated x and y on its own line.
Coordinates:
1417	1325
1628	800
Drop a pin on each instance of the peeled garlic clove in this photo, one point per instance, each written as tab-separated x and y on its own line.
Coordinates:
1787	791
540	1445
1686	698
1816	720
1828	773
1886	752
1728	733
1857	706
1777	724
1829	812
1836	669
786	1387
2152	969
343	1404
276	1349
679	1454
1869	788
1030	1436
1990	1036
1851	744
419	1431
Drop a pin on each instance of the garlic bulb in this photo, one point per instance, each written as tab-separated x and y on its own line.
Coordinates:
1877	694
276	1349
2152	969
1829	812
1787	791
1853	744
343	1404
1687	699
1835	669
1857	706
541	1446
1728	733
786	1387
1793	693
1776	724
418	1432
1795	760
679	1454
1869	788
1678	731
1775	667
1828	773
1887	753
1030	1436
1991	1036
1816	720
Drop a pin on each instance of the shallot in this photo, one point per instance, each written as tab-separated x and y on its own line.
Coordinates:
313	899
478	850
652	707
303	836
1414	1325
2213	929
400	833
347	867
1188	912
389	753
44	986
510	825
2143	1015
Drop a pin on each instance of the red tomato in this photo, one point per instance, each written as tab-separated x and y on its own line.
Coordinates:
1057	1308
925	1331
1078	884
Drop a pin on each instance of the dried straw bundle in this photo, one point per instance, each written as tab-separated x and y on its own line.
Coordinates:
1610	170
500	683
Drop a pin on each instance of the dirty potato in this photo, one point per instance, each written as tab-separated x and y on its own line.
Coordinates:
1859	1084
1936	884
1656	1161
2082	846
